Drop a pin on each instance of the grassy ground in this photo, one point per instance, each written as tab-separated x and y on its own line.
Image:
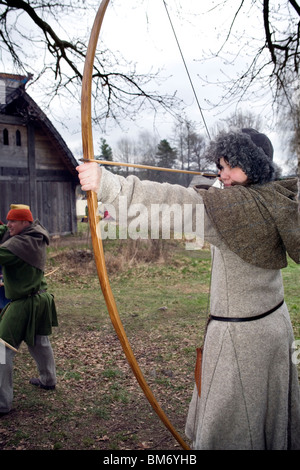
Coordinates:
162	294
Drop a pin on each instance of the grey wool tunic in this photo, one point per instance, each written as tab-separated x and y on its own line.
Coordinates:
250	397
250	390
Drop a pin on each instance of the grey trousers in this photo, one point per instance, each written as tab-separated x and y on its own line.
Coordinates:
42	353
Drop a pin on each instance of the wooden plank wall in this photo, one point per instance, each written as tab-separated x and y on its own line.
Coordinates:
40	180
55	206
13	191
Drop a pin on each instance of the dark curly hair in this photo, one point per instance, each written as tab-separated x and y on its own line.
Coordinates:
247	149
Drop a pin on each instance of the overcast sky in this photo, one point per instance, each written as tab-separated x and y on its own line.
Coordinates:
142	32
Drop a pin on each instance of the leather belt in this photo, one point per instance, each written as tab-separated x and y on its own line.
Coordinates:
37	293
241	319
30	295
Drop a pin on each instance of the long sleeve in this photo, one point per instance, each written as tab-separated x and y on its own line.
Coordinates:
144	207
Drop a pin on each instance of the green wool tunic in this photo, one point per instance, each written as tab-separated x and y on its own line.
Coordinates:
31	310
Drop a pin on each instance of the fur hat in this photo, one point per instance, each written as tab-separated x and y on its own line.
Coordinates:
19	212
247	149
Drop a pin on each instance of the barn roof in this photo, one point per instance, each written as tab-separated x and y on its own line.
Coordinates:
18	101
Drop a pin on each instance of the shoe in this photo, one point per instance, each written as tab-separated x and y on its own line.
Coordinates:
39	384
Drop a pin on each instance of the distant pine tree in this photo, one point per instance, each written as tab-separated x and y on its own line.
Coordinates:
165	158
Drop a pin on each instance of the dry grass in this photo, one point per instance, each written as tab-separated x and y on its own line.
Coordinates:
97	403
162	293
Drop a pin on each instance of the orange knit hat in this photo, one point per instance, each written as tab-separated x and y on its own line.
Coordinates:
19	212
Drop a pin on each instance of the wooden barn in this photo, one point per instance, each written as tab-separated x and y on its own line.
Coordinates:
36	166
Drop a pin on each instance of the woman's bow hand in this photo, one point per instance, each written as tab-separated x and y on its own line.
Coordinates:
89	175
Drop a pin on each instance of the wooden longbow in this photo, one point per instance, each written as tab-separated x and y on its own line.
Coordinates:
88	154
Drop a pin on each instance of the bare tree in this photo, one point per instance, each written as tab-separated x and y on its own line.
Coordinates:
238	120
289	125
272	55
190	145
125	152
37	37
146	147
283	44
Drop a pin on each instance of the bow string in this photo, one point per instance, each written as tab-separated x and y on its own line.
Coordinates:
88	154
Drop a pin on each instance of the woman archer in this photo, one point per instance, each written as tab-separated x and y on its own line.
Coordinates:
250	396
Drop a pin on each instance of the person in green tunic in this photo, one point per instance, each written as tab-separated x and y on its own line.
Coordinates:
31	313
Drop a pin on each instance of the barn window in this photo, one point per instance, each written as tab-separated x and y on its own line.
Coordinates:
5	137
18	138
